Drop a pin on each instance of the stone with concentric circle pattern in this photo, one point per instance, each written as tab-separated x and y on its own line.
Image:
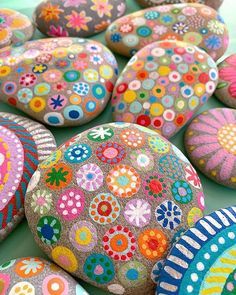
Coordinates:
58	81
121	195
203	260
193	23
15	28
33	275
163	85
210	141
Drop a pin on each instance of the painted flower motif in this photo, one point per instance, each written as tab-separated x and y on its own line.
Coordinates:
142	159
59	176
123	181
119	243
110	153
155	186
27	80
126	28
83	236
156	271
158	144
213	42
193	216
78	153
192	177
51	160
78	21
57	102
104	209
50	12
74	3
96	59
5	280
29	267
180	28
89	177
132	138
182	192
57	31
216	27
49	230
160	29
138	212
100	134
65	258
168	215
152	244
41	201
102	7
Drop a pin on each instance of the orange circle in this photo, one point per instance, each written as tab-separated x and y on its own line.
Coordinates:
58	176
59	283
22	271
114	243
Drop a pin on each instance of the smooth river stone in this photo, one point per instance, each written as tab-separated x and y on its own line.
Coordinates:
226	89
116	196
210	141
148	3
15	28
35	276
58	81
196	24
23	145
77	18
163	85
203	260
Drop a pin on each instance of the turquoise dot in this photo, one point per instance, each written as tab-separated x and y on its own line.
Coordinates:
132	274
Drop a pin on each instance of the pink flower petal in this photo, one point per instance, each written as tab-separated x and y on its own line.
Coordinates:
216	159
210	121
200	139
204	128
227	167
228	74
204	150
218	116
229	115
231	60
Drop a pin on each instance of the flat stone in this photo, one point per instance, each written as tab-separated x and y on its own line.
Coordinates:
226	89
203	260
210	141
58	81
15	28
33	275
148	3
163	85
119	195
23	145
77	18
194	23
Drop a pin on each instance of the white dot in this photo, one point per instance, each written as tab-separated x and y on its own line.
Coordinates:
55	287
190	289
231	235
214	248
207	256
70	203
200	266
221	240
74	211
194	277
65	212
78	204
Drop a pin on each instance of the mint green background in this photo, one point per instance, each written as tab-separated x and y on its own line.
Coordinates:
20	242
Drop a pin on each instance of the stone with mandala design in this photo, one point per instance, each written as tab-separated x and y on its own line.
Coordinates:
120	196
77	18
33	275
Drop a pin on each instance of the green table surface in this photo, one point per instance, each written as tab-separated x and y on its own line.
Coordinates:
20	242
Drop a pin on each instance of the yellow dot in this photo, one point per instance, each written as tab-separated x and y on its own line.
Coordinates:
156	109
199	89
201	162
152	233
129	96
164	70
148	252
154	253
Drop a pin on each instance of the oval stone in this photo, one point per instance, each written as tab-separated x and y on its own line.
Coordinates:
77	18
210	141
33	275
226	88
203	260
23	145
163	85
60	82
15	28
212	3
120	195
196	24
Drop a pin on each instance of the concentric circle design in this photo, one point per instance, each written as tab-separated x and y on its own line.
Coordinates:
49	230
110	153
78	153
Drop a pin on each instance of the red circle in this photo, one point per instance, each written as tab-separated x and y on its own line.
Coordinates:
144	120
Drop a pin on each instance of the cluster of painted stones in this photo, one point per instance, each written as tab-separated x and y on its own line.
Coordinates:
32	275
115	197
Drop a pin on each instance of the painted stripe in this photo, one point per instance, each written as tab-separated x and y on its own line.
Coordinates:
187	253
207	227
213	222
199	234
173	273
178	261
222	218
191	242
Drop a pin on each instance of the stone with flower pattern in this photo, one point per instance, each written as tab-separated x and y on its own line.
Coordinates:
118	196
33	275
77	18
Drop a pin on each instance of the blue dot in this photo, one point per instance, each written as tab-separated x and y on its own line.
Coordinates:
74	114
53	120
47	232
132	274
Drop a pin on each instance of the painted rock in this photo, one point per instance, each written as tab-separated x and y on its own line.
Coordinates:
33	275
119	193
15	28
77	18
60	82
203	260
163	85
147	3
210	142
23	144
226	89
196	24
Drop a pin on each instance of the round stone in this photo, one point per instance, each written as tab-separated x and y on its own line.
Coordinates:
122	195
210	141
226	90
179	87
59	81
190	270
30	276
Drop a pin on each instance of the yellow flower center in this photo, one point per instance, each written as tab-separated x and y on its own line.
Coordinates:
227	138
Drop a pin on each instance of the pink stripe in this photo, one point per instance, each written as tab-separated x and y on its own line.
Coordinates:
219	116
216	159
227	167
229	115
210	121
203	128
205	150
202	139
